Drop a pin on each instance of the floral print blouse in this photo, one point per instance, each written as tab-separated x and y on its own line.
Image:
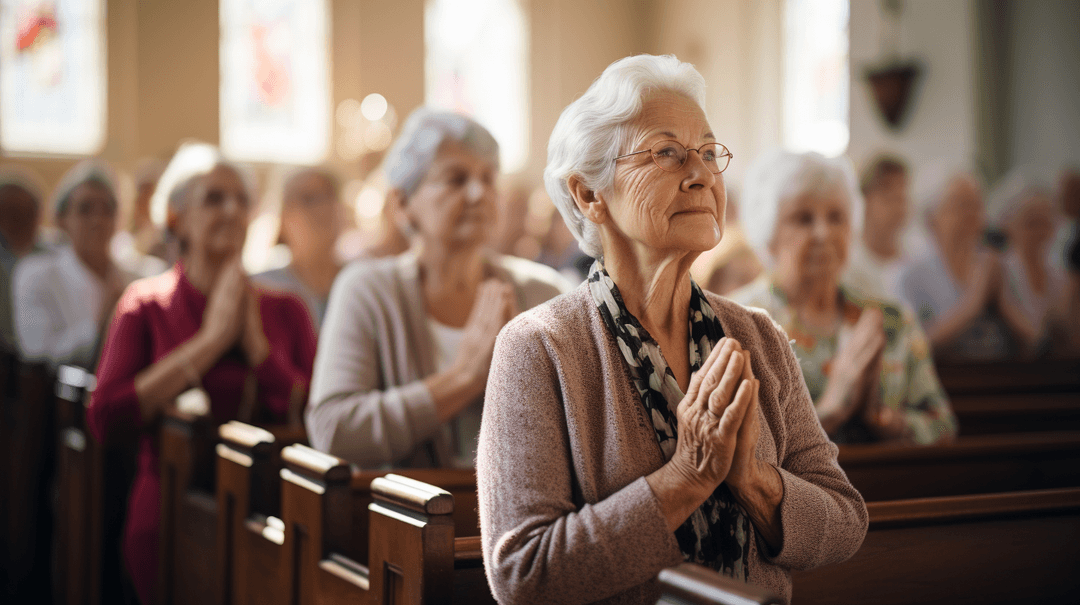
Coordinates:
909	383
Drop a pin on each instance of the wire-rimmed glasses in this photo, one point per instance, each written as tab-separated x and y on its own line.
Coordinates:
671	156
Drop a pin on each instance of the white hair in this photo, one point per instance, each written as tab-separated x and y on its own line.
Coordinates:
191	161
426	129
594	129
93	171
779	176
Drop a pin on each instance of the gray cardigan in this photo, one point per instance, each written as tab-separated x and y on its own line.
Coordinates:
368	403
566	515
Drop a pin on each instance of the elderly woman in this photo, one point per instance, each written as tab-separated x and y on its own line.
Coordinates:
199	325
639	422
866	363
312	219
404	352
64	298
955	290
1034	285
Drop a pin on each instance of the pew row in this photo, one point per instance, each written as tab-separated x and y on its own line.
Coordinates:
1005	397
1020	547
192	569
970	465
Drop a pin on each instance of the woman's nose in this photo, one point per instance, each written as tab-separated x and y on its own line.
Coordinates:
821	229
474	191
698	174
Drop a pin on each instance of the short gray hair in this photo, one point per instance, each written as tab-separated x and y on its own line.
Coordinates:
191	161
426	129
777	177
595	128
94	172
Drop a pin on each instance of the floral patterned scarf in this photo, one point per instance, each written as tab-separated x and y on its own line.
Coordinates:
717	534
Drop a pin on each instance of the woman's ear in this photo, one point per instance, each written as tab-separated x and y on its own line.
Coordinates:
588	201
397	212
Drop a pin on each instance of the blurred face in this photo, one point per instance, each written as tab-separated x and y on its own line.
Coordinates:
1070	194
90	220
887	205
454	206
961	216
810	244
661	210
312	217
19	214
214	221
1033	226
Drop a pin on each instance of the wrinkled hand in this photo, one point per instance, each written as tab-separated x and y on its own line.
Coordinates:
987	280
253	339
495	305
223	320
711	416
858	363
744	465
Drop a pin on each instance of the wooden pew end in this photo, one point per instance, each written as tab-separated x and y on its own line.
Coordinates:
693	584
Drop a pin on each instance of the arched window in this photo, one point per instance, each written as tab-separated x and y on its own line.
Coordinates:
476	62
816	80
275	91
52	76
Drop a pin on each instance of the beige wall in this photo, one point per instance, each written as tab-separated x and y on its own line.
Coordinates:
163	68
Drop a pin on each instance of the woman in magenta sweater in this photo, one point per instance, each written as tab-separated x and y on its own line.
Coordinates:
200	325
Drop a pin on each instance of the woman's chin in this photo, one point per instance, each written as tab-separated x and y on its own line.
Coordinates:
699	234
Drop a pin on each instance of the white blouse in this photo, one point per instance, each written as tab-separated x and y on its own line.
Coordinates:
57	301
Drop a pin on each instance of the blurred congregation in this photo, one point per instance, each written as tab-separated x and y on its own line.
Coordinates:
267	266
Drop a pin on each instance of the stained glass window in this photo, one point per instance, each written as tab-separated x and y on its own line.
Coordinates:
275	92
52	76
476	62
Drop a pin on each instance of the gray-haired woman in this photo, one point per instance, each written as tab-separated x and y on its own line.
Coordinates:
405	347
63	298
638	422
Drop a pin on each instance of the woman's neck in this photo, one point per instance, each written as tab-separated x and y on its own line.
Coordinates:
884	244
814	301
655	287
959	257
99	263
202	270
316	271
450	279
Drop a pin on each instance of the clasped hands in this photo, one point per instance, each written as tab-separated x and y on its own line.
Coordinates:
232	315
719	423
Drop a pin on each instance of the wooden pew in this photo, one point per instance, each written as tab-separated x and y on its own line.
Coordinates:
249	530
971	465
1014	396
8	401
31	456
195	565
693	584
338	520
1020	547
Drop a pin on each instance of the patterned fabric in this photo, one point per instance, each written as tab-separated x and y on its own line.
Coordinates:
909	383
717	533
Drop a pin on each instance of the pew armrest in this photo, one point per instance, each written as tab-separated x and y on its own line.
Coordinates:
695	584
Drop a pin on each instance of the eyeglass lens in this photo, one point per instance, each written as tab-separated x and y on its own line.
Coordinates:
671	155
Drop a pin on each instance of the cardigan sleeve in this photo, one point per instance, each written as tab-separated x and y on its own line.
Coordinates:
539	547
823	517
285	374
353	413
114	414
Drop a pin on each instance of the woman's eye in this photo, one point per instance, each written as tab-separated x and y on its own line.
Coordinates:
667	152
214	198
709	155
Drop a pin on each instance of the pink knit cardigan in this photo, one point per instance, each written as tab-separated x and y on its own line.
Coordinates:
566	515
